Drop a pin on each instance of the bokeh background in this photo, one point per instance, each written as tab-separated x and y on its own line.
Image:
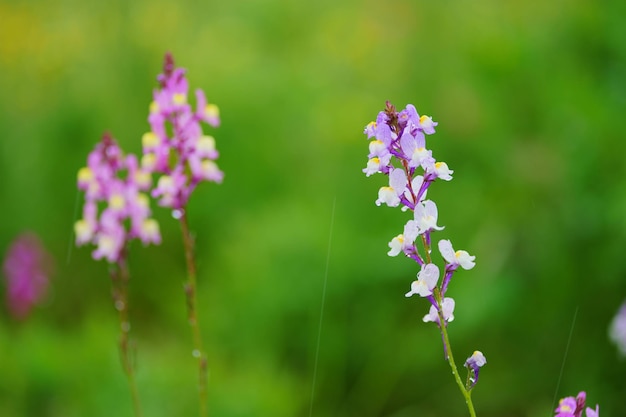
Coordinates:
530	97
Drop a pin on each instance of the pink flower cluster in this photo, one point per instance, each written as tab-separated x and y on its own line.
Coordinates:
118	188
176	145
119	184
27	268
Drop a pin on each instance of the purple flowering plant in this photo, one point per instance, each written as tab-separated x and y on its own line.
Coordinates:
398	150
116	211
118	189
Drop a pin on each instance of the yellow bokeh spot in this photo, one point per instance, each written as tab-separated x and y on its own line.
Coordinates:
154	107
142	200
166	183
150	227
206	143
149	140
83	229
179	99
211	110
85	175
116	201
148	161
142	178
209	166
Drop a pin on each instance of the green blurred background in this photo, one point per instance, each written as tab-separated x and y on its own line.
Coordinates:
530	97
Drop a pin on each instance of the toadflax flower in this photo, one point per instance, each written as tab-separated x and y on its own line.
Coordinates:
447	307
473	364
398	149
426	281
453	261
27	269
117	183
573	407
176	145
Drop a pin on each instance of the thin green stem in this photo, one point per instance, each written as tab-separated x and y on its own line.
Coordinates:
120	277
467	394
192	315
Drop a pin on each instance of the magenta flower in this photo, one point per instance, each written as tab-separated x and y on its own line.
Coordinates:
566	408
27	268
176	146
119	185
573	407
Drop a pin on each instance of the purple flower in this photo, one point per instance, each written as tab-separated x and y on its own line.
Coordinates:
118	184
176	146
401	135
453	261
617	329
404	242
447	307
426	216
27	268
426	281
473	364
566	408
397	184
573	407
593	412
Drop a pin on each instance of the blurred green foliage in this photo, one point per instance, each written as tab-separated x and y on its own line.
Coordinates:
530	98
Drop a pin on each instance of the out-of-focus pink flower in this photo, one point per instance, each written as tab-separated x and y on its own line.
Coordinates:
27	268
176	146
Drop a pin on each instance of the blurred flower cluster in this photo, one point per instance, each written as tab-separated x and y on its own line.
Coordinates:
573	407
176	145
118	187
116	182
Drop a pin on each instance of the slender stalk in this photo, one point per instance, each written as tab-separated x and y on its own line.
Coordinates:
467	394
192	315
120	277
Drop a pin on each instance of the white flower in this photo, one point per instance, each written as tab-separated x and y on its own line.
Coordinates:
448	312
426	216
460	257
391	195
426	280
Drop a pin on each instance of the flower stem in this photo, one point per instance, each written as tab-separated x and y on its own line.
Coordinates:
192	315
448	352
120	277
